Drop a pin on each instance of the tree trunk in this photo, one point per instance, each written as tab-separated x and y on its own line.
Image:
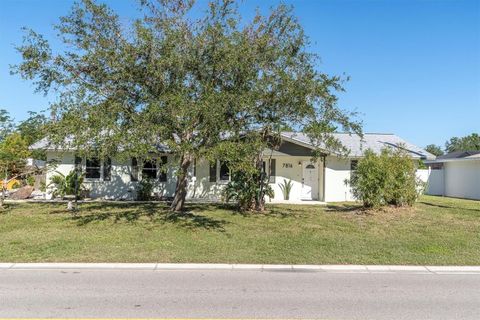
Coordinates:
178	202
260	200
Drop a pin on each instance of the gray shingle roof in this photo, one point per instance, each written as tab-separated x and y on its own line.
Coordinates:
458	155
356	145
41	144
374	141
45	144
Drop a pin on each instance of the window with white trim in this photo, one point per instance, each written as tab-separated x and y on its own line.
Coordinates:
149	169
93	168
224	171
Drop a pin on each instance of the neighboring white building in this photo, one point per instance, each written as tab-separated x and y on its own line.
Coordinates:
323	180
456	174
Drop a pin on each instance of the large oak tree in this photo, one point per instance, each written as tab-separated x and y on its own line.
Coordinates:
192	85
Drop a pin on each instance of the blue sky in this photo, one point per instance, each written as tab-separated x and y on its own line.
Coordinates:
414	65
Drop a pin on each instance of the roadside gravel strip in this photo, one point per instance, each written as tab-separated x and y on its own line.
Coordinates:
249	267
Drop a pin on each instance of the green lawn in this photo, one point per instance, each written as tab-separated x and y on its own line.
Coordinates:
438	231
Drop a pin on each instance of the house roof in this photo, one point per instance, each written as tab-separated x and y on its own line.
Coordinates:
458	156
373	141
41	144
45	144
357	145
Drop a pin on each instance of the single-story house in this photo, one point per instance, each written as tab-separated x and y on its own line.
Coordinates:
456	174
322	180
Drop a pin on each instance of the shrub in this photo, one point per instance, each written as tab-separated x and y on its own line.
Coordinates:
71	184
286	188
43	186
387	178
144	190
245	189
402	185
30	181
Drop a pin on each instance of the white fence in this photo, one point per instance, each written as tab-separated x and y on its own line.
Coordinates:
433	180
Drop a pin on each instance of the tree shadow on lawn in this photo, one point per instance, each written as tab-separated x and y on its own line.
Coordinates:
282	212
147	213
343	208
27	206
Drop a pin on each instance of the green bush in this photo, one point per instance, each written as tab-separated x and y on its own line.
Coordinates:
71	184
30	181
144	190
43	186
245	189
385	179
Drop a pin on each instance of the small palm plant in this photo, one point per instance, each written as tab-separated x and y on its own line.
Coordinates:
71	184
286	188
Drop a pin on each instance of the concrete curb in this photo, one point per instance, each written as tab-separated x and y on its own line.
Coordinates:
246	267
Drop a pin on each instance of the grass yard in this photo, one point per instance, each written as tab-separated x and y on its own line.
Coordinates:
438	231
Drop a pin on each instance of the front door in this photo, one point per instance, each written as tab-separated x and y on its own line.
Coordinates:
309	181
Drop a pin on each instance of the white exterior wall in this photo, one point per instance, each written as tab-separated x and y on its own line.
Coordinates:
200	187
121	187
423	175
337	170
295	174
462	179
435	184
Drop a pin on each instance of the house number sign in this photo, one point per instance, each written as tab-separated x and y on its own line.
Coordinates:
288	165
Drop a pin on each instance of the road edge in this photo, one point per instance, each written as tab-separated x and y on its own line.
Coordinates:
249	267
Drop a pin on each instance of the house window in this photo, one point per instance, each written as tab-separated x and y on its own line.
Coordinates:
93	168
353	165
213	171
194	167
163	169
273	170
224	171
134	172
78	164
107	169
149	170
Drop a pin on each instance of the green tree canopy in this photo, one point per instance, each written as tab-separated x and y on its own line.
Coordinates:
6	124
434	149
188	84
467	143
32	130
13	153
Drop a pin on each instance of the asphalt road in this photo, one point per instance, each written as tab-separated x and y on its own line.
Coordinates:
238	294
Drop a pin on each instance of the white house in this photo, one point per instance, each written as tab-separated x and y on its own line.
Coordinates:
456	174
322	180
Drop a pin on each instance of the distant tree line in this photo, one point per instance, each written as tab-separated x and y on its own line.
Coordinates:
467	143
